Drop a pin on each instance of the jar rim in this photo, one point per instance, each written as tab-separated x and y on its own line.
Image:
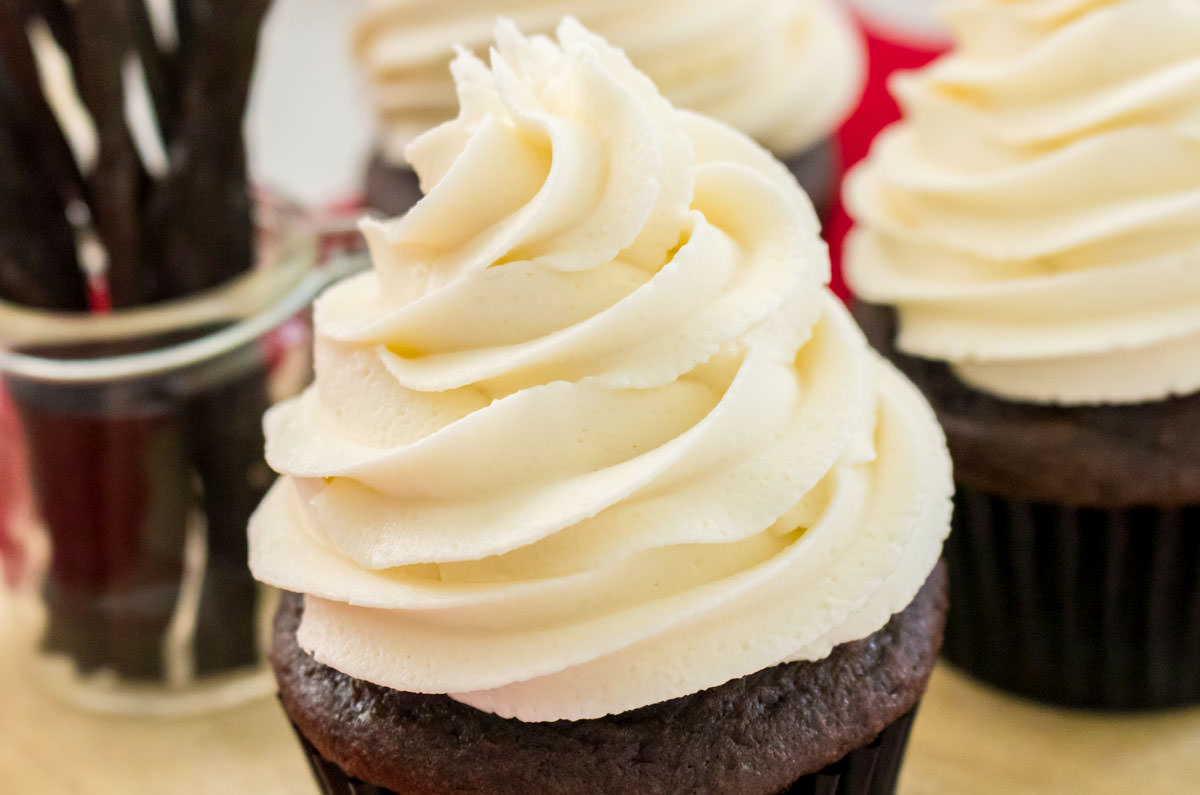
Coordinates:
306	283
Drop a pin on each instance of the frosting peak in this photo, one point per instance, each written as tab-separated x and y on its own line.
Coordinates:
593	434
783	71
1036	217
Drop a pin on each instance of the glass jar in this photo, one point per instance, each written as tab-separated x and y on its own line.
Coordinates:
136	447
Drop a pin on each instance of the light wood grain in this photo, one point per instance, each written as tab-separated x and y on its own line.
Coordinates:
972	740
50	749
968	741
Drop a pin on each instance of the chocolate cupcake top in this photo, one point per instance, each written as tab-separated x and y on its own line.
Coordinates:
784	71
1036	217
593	434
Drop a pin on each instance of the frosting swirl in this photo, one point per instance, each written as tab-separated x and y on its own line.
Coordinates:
783	71
593	435
1036	217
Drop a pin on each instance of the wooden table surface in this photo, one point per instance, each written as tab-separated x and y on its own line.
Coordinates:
968	741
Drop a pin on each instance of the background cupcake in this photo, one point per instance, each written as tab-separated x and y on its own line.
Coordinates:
1033	230
597	481
786	72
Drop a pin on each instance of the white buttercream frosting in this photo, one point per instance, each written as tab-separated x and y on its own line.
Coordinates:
593	434
1036	217
783	71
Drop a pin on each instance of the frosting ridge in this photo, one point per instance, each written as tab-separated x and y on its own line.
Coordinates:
1035	218
567	456
784	71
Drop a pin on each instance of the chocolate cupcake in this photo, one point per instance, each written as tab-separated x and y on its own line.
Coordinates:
842	721
785	72
597	481
1027	253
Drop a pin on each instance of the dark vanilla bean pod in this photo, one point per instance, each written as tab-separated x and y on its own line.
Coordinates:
15	49
118	182
138	483
37	250
74	624
54	160
202	212
104	451
37	245
206	213
184	12
38	268
159	459
144	451
112	515
158	66
224	428
57	16
184	16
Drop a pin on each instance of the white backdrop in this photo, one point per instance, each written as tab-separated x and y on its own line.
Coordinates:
309	124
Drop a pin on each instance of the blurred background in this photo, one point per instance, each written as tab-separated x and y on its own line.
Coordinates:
310	133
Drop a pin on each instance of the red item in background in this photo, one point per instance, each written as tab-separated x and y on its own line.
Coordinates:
14	499
887	54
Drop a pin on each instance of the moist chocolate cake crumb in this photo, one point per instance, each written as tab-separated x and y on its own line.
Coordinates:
755	735
1113	456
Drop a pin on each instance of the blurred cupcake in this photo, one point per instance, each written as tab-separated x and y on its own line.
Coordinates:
1028	252
597	481
785	72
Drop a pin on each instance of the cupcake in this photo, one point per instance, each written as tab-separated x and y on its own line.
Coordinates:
598	487
785	72
1028	252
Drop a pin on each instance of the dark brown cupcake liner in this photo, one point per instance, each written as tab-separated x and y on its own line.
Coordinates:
870	770
1081	607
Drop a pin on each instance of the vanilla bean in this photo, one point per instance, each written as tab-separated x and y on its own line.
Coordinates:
185	26
118	182
122	467
205	212
37	252
57	16
37	246
175	61
15	49
55	158
157	66
224	425
113	486
202	214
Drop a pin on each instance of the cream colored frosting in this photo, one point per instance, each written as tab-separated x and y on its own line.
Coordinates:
593	434
783	71
1036	217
